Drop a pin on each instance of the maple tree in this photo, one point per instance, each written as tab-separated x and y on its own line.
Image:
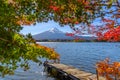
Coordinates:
112	35
111	71
16	48
108	31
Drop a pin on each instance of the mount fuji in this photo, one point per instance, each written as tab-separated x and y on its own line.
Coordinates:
52	34
56	34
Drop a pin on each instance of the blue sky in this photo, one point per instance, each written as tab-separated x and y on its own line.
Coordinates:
41	27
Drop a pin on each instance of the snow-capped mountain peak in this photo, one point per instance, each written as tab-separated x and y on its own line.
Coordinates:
56	34
55	30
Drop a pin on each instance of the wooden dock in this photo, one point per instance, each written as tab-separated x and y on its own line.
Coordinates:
65	72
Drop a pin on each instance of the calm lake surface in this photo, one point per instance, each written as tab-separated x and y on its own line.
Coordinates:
80	55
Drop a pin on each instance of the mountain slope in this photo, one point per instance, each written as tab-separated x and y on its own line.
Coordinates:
55	34
52	34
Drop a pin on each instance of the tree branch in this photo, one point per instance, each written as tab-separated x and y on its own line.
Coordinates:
118	4
4	39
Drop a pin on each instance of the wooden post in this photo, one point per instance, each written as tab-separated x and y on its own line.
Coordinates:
97	74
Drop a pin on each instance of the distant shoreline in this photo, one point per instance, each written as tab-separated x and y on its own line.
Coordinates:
72	41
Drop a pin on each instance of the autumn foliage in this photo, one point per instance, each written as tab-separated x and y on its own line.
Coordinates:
51	54
112	35
107	31
111	71
70	34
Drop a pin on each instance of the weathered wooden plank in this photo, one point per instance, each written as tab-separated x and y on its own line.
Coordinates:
74	72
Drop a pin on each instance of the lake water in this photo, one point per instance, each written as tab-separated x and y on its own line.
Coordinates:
80	55
84	55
